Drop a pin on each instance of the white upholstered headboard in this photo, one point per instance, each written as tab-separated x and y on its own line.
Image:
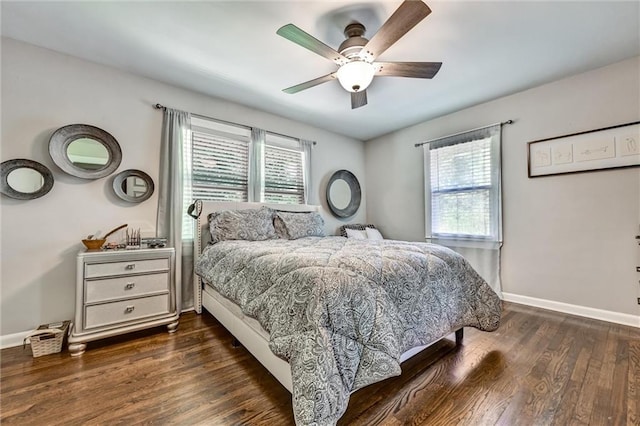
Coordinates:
202	235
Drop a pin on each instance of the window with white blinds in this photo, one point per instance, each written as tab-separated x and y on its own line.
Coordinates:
460	189
463	186
220	161
225	163
283	170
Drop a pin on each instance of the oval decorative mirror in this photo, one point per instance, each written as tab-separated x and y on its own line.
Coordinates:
85	151
133	186
25	179
343	194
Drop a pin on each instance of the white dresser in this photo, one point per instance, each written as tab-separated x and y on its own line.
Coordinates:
122	291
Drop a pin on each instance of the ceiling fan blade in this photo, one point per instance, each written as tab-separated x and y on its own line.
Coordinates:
307	84
407	69
403	19
299	37
358	99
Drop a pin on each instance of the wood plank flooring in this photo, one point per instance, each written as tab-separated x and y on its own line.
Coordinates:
539	368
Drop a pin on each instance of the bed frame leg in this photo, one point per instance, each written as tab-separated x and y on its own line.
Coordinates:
236	343
459	336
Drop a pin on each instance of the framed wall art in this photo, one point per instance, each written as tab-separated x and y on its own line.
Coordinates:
607	148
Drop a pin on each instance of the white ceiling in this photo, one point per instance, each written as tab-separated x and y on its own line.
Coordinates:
230	50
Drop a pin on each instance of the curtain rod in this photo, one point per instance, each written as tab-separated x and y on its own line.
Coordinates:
466	131
164	108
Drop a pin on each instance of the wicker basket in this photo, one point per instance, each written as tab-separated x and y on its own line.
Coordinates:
48	338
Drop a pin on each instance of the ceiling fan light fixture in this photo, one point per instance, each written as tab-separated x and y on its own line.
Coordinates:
356	76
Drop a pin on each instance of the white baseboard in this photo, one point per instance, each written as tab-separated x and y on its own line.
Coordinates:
583	311
16	339
12	340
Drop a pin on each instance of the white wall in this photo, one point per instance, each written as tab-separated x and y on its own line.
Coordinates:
43	90
567	238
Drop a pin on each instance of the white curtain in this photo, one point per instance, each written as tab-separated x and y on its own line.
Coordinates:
256	165
482	252
171	214
306	149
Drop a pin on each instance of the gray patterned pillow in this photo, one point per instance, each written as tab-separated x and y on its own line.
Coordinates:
250	225
358	226
297	225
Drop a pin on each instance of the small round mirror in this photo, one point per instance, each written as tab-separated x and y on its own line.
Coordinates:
25	179
87	154
133	186
343	194
340	194
85	151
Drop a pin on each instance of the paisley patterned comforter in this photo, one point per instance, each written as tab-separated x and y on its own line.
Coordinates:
342	311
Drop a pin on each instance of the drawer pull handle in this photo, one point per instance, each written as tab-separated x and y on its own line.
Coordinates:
130	266
129	309
129	286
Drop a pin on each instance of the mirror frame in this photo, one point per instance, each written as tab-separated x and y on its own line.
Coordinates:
356	194
122	176
10	165
61	138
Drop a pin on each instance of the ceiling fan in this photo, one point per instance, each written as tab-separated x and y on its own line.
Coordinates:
356	55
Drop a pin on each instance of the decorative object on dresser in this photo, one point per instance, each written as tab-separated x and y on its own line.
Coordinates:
134	186
122	291
25	179
154	242
343	194
94	243
133	239
85	151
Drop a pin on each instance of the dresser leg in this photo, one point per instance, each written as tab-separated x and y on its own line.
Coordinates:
171	328
77	349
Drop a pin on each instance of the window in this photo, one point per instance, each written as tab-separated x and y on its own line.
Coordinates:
462	181
220	161
283	170
227	162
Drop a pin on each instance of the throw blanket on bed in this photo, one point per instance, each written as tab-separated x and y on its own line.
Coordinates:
343	311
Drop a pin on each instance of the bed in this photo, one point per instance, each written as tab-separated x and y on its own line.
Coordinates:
329	315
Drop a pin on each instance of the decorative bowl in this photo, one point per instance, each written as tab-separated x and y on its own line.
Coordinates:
95	244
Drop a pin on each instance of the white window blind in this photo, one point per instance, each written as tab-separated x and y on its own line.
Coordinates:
220	161
462	182
283	170
461	189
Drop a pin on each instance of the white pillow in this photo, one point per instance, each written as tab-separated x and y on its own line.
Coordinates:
356	234
373	234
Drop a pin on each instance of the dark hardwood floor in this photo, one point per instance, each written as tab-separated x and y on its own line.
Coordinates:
539	368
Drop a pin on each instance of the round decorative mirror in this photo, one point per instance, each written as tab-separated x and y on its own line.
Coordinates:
343	194
87	154
133	186
25	179
85	151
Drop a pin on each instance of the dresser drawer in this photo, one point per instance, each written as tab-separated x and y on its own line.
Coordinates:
128	267
125	287
125	310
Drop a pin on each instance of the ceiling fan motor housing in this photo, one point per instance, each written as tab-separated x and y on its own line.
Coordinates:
355	41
